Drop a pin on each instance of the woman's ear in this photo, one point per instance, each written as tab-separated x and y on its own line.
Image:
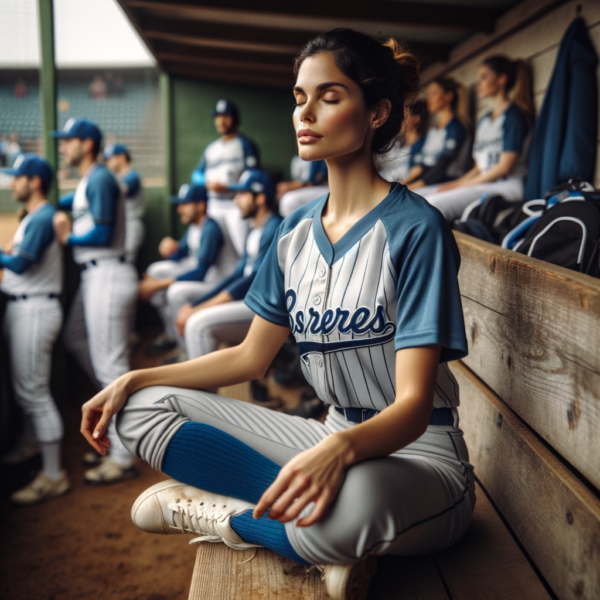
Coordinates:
381	113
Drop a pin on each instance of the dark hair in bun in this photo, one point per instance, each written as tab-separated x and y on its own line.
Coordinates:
382	71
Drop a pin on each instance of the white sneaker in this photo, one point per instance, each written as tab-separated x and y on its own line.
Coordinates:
23	450
349	582
173	507
41	488
109	472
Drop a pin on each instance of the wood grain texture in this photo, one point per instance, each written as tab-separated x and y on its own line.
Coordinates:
477	566
554	515
221	573
534	337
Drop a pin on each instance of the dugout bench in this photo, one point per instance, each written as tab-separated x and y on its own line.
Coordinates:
530	410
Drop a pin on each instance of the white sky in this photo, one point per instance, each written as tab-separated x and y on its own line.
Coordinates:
88	33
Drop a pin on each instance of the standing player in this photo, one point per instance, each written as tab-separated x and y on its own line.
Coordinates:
192	266
221	315
100	315
31	276
309	181
366	279
222	164
118	160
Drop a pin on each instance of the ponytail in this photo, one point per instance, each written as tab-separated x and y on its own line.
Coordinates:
459	98
518	80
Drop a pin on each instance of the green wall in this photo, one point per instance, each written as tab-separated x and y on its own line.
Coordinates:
266	117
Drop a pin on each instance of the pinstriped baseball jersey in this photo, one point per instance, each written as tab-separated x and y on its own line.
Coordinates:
389	283
35	240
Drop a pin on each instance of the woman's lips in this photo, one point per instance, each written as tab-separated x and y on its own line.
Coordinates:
307	136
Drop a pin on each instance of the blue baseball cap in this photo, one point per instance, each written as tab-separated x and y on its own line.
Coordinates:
189	193
256	181
115	150
79	128
225	107
31	164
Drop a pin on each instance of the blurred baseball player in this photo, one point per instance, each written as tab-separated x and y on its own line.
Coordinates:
97	326
31	274
118	160
222	164
309	181
222	315
191	267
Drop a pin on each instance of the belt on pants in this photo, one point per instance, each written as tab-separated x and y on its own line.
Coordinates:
94	262
13	298
439	416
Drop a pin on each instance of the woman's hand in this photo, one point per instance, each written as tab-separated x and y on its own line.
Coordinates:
185	312
62	227
450	185
314	475
97	412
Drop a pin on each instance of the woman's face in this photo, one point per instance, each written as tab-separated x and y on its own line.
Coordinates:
489	83
331	118
437	98
411	122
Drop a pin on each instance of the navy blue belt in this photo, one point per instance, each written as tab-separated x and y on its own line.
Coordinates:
94	262
14	298
439	416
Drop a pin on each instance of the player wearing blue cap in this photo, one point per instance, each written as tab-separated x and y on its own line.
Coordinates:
222	164
31	275
221	315
309	181
191	266
118	160
366	280
98	324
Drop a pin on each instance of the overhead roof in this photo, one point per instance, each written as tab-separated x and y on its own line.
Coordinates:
255	42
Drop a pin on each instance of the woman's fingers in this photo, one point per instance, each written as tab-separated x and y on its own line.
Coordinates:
294	510
285	500
318	511
271	494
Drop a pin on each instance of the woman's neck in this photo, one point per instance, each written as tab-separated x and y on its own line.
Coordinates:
499	104
355	189
410	137
444	117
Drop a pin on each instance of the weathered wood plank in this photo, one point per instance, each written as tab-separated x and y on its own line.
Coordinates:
534	337
554	515
477	566
221	573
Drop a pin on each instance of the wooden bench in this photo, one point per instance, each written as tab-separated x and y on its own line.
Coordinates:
530	409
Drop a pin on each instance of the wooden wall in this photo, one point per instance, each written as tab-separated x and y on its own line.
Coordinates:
536	42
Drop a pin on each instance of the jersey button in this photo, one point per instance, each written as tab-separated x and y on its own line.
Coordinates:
317	300
319	361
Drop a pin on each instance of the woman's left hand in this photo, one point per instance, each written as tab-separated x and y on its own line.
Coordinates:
314	475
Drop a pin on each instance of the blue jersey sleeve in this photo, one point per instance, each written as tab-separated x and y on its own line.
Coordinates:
429	309
182	251
415	152
14	262
198	175
38	234
226	283
66	201
133	183
455	136
251	154
100	235
514	129
211	242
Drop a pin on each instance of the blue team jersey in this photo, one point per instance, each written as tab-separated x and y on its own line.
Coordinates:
313	172
446	140
389	283
506	133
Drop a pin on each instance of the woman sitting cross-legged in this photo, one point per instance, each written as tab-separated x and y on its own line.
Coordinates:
366	280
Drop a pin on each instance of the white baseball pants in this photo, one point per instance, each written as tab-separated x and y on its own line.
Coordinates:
134	237
206	328
31	328
179	294
229	217
417	501
453	202
290	201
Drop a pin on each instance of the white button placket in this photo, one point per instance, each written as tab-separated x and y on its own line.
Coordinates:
324	275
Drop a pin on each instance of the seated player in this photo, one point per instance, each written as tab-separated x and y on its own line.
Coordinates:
501	146
31	274
222	164
309	181
221	315
118	160
200	259
396	164
446	102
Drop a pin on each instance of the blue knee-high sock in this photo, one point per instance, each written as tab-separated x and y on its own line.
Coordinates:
210	459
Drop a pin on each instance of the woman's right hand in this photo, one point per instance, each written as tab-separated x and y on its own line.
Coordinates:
97	412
